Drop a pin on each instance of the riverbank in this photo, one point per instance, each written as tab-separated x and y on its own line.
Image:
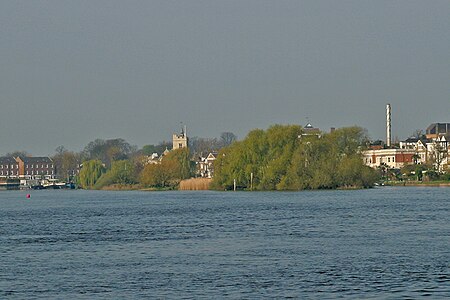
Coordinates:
419	183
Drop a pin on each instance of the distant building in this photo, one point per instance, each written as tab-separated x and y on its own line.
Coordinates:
436	130
9	167
392	158
180	141
36	167
206	165
310	130
433	149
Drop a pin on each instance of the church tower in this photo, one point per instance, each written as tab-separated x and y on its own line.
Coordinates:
180	140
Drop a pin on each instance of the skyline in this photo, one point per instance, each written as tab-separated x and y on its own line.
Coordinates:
73	72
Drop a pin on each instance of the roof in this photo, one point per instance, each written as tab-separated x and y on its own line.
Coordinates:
7	160
439	128
416	140
36	160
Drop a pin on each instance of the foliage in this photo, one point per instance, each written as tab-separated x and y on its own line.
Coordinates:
174	167
90	173
121	172
160	148
108	151
66	162
281	158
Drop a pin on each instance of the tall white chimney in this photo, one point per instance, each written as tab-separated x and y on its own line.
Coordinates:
388	125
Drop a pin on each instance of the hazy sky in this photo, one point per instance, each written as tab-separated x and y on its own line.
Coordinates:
74	71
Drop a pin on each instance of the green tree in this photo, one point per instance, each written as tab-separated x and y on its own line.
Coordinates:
160	148
122	172
282	158
174	167
90	173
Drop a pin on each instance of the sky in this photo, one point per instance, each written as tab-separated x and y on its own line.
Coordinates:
75	71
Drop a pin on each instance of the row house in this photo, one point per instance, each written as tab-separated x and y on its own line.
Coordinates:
27	167
36	167
9	167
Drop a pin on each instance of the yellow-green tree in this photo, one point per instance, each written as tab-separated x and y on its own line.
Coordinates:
174	167
282	158
90	173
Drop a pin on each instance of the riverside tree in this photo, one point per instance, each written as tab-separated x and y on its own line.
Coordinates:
122	172
66	162
90	173
174	167
108	151
282	158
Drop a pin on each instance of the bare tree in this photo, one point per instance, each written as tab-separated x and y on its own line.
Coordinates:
437	155
18	153
418	133
227	138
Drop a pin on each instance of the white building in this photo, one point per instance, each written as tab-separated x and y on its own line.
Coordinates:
392	158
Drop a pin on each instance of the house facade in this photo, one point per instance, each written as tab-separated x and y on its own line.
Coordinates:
205	167
9	167
392	158
36	167
432	148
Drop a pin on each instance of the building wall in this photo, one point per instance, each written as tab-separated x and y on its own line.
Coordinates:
393	158
36	167
179	141
8	167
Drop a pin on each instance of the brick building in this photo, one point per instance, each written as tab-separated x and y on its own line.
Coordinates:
9	167
36	167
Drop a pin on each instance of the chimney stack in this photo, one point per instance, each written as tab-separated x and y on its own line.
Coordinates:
388	125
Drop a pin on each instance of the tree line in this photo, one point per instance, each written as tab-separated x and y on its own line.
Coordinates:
114	162
285	157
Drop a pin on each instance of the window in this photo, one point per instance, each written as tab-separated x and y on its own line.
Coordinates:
393	159
389	159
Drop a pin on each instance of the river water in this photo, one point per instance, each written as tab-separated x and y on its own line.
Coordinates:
377	243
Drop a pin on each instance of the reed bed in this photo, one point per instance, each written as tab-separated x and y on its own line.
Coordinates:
195	184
